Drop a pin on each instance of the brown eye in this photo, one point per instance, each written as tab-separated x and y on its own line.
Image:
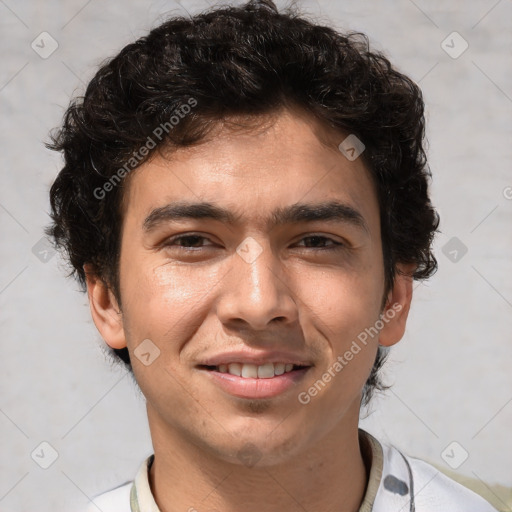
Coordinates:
186	241
192	240
318	242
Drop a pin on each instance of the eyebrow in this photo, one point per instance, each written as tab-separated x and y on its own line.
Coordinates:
331	211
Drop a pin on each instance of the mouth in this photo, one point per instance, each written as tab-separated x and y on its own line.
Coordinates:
253	371
247	380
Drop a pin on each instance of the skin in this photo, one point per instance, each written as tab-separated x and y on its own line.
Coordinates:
201	299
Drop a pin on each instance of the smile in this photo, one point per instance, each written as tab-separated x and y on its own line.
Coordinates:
246	380
253	371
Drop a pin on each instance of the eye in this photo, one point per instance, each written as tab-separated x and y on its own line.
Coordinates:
316	240
191	241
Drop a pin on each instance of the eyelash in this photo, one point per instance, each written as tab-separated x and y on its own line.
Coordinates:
171	242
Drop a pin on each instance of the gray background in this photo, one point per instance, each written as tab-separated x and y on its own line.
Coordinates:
451	372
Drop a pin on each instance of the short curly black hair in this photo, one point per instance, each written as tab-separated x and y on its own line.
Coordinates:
244	61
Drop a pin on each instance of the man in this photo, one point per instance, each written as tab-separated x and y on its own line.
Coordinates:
245	198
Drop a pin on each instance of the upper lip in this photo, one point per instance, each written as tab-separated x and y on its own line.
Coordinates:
257	358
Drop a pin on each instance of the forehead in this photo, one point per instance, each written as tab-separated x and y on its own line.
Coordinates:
284	159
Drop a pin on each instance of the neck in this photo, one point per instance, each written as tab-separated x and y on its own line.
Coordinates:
329	475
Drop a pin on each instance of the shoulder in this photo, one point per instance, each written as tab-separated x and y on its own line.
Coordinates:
435	491
134	495
424	488
116	500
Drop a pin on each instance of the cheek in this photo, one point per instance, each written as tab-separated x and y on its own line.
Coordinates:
342	316
344	307
342	303
165	303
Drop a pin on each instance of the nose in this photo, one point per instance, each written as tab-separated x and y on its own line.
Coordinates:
256	292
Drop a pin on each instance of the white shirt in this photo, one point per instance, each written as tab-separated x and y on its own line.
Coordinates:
397	483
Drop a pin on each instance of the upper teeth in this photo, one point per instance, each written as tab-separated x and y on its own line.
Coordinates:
264	371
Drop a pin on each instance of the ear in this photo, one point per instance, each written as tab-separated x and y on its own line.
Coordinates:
398	303
105	312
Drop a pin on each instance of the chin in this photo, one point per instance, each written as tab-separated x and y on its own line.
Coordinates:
261	447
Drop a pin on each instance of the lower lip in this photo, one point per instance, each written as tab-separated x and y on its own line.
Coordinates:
257	388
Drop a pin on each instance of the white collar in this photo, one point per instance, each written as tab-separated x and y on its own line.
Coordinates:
396	484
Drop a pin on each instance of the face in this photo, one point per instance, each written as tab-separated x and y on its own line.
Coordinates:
219	300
